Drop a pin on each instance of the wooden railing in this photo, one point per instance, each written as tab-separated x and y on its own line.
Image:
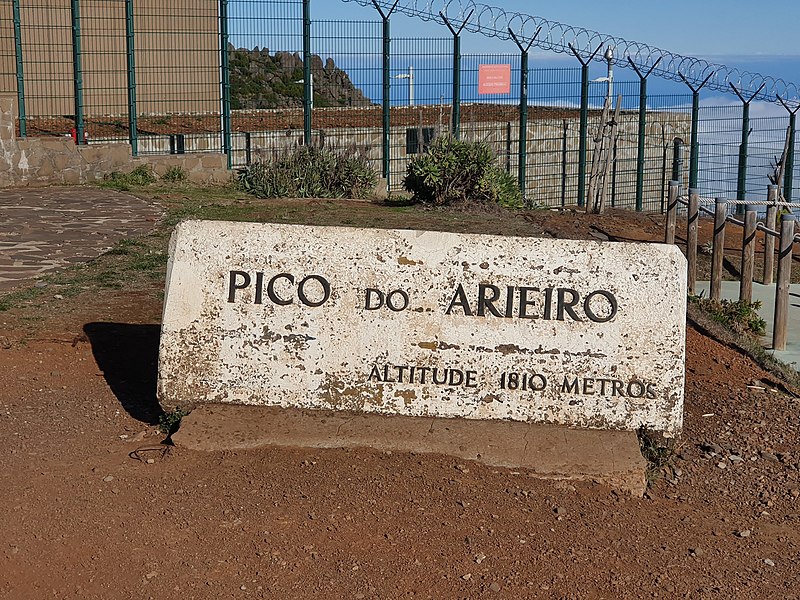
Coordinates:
750	226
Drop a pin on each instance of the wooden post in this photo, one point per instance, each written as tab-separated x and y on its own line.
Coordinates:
769	240
672	212
748	255
780	327
718	252
691	240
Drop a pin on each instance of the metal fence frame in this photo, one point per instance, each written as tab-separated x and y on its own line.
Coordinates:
146	52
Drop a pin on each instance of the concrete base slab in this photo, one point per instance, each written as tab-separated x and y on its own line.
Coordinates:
549	451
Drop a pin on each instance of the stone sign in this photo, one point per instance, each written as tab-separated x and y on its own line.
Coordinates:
425	323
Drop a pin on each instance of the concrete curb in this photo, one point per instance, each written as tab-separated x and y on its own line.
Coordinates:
551	452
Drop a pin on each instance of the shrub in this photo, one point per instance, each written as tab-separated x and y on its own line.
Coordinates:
174	175
139	177
740	316
311	172
456	171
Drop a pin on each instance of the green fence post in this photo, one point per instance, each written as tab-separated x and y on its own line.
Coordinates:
308	88
23	127
694	146
522	158
642	131
583	134
741	175
77	72
387	42
133	134
788	168
584	124
226	81
456	71
677	160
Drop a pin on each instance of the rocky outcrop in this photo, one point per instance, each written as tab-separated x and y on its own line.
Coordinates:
263	80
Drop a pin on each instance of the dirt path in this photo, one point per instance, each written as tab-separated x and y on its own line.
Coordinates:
85	516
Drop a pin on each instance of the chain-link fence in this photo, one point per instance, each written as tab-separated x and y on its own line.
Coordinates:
254	78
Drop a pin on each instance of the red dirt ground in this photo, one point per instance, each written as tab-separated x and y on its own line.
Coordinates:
84	515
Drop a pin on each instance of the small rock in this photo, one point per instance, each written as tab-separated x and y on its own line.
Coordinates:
744	533
480	558
721	464
735	458
712	447
41	284
151	575
466	576
769	456
108	478
560	510
698	552
495	587
58	297
151	461
769	563
462	468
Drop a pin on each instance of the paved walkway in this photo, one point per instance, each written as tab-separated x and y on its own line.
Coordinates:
42	229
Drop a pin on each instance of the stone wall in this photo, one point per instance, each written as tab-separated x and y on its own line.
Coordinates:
59	161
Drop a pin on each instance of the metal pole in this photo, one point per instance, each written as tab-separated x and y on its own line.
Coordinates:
642	131
788	171
694	147
130	49
584	132
226	81
456	85
564	164
640	149
77	71
386	99
522	159
780	326
23	127
677	160
456	132
584	121
523	124
741	177
307	87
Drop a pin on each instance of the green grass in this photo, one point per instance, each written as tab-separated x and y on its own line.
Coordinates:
659	452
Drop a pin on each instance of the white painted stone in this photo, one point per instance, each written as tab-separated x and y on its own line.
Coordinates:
629	370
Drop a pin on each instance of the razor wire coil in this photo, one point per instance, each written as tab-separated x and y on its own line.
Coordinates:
493	21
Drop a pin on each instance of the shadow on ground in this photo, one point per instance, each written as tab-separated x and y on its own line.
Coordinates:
128	356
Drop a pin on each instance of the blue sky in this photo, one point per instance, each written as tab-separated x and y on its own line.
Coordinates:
703	28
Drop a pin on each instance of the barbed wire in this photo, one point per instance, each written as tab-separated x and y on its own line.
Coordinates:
493	21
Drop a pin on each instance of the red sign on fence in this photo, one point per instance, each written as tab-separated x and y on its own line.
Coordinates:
494	79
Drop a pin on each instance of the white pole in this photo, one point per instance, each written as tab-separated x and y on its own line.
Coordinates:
609	56
411	86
